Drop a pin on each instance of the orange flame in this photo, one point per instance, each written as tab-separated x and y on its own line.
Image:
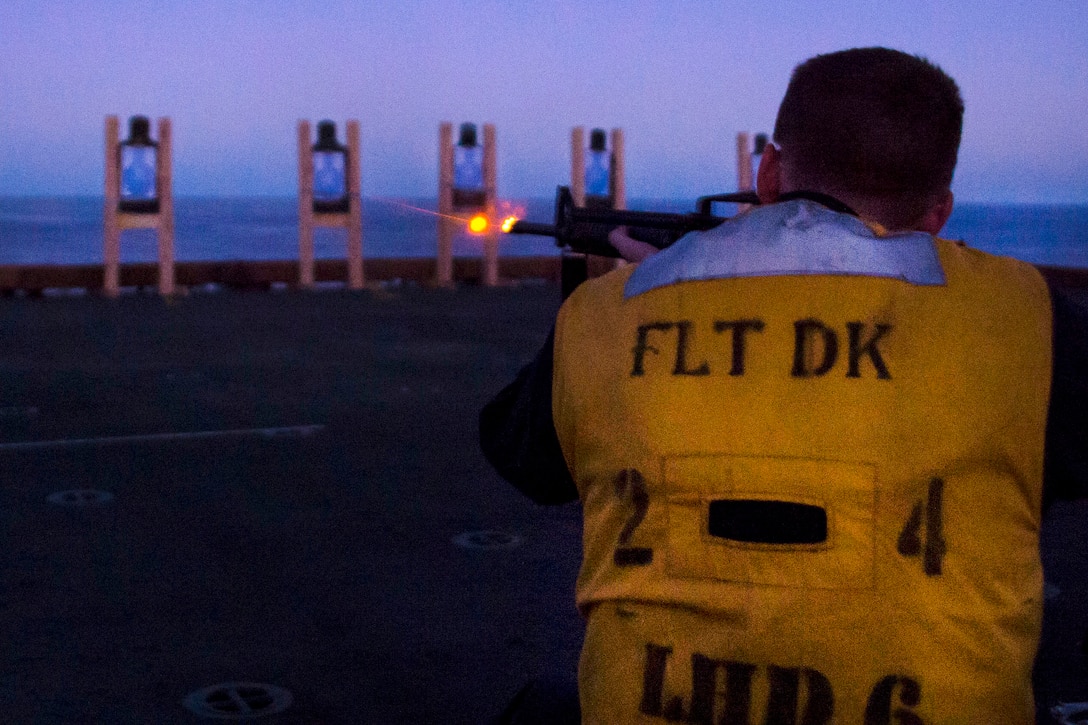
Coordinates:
478	224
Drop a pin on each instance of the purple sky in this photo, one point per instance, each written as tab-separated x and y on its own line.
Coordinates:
681	78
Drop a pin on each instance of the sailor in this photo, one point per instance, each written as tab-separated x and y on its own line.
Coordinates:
809	443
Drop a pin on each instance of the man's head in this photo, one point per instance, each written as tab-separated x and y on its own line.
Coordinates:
876	128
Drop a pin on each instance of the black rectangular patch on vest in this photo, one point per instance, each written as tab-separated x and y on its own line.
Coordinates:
757	521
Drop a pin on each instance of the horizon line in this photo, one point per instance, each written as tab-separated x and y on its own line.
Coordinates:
380	197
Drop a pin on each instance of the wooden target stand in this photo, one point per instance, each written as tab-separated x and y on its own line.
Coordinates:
576	266
308	218
747	151
161	219
450	206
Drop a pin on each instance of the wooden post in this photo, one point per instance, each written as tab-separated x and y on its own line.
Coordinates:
491	239
744	162
574	267
617	193
617	177
305	207
164	187
116	221
350	219
617	190
355	209
449	206
578	165
111	251
444	263
744	167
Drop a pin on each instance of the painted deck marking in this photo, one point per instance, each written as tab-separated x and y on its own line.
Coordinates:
295	431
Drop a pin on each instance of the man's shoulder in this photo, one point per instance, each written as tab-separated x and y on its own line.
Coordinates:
607	289
962	252
594	304
962	261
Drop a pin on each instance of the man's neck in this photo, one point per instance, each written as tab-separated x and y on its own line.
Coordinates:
820	198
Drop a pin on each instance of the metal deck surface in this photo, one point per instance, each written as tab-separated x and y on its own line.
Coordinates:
289	473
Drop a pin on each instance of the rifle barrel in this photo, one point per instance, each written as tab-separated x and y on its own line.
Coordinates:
523	227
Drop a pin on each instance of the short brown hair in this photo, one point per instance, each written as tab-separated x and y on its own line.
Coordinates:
872	122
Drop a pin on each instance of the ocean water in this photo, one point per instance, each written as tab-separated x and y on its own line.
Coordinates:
68	230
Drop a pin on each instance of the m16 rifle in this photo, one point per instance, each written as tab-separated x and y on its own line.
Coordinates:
580	231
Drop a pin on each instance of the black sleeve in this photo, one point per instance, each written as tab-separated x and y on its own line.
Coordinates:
518	438
1066	463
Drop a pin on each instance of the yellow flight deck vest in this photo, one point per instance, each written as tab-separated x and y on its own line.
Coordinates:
810	460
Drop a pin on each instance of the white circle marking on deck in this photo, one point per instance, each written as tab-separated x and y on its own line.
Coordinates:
487	540
238	700
80	497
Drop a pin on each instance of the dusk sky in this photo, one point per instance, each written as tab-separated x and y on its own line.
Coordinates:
680	77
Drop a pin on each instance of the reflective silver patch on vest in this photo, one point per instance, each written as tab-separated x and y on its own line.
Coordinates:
798	237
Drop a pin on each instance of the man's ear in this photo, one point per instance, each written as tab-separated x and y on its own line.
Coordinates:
936	215
769	175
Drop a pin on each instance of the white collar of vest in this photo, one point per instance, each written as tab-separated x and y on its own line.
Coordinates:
797	237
